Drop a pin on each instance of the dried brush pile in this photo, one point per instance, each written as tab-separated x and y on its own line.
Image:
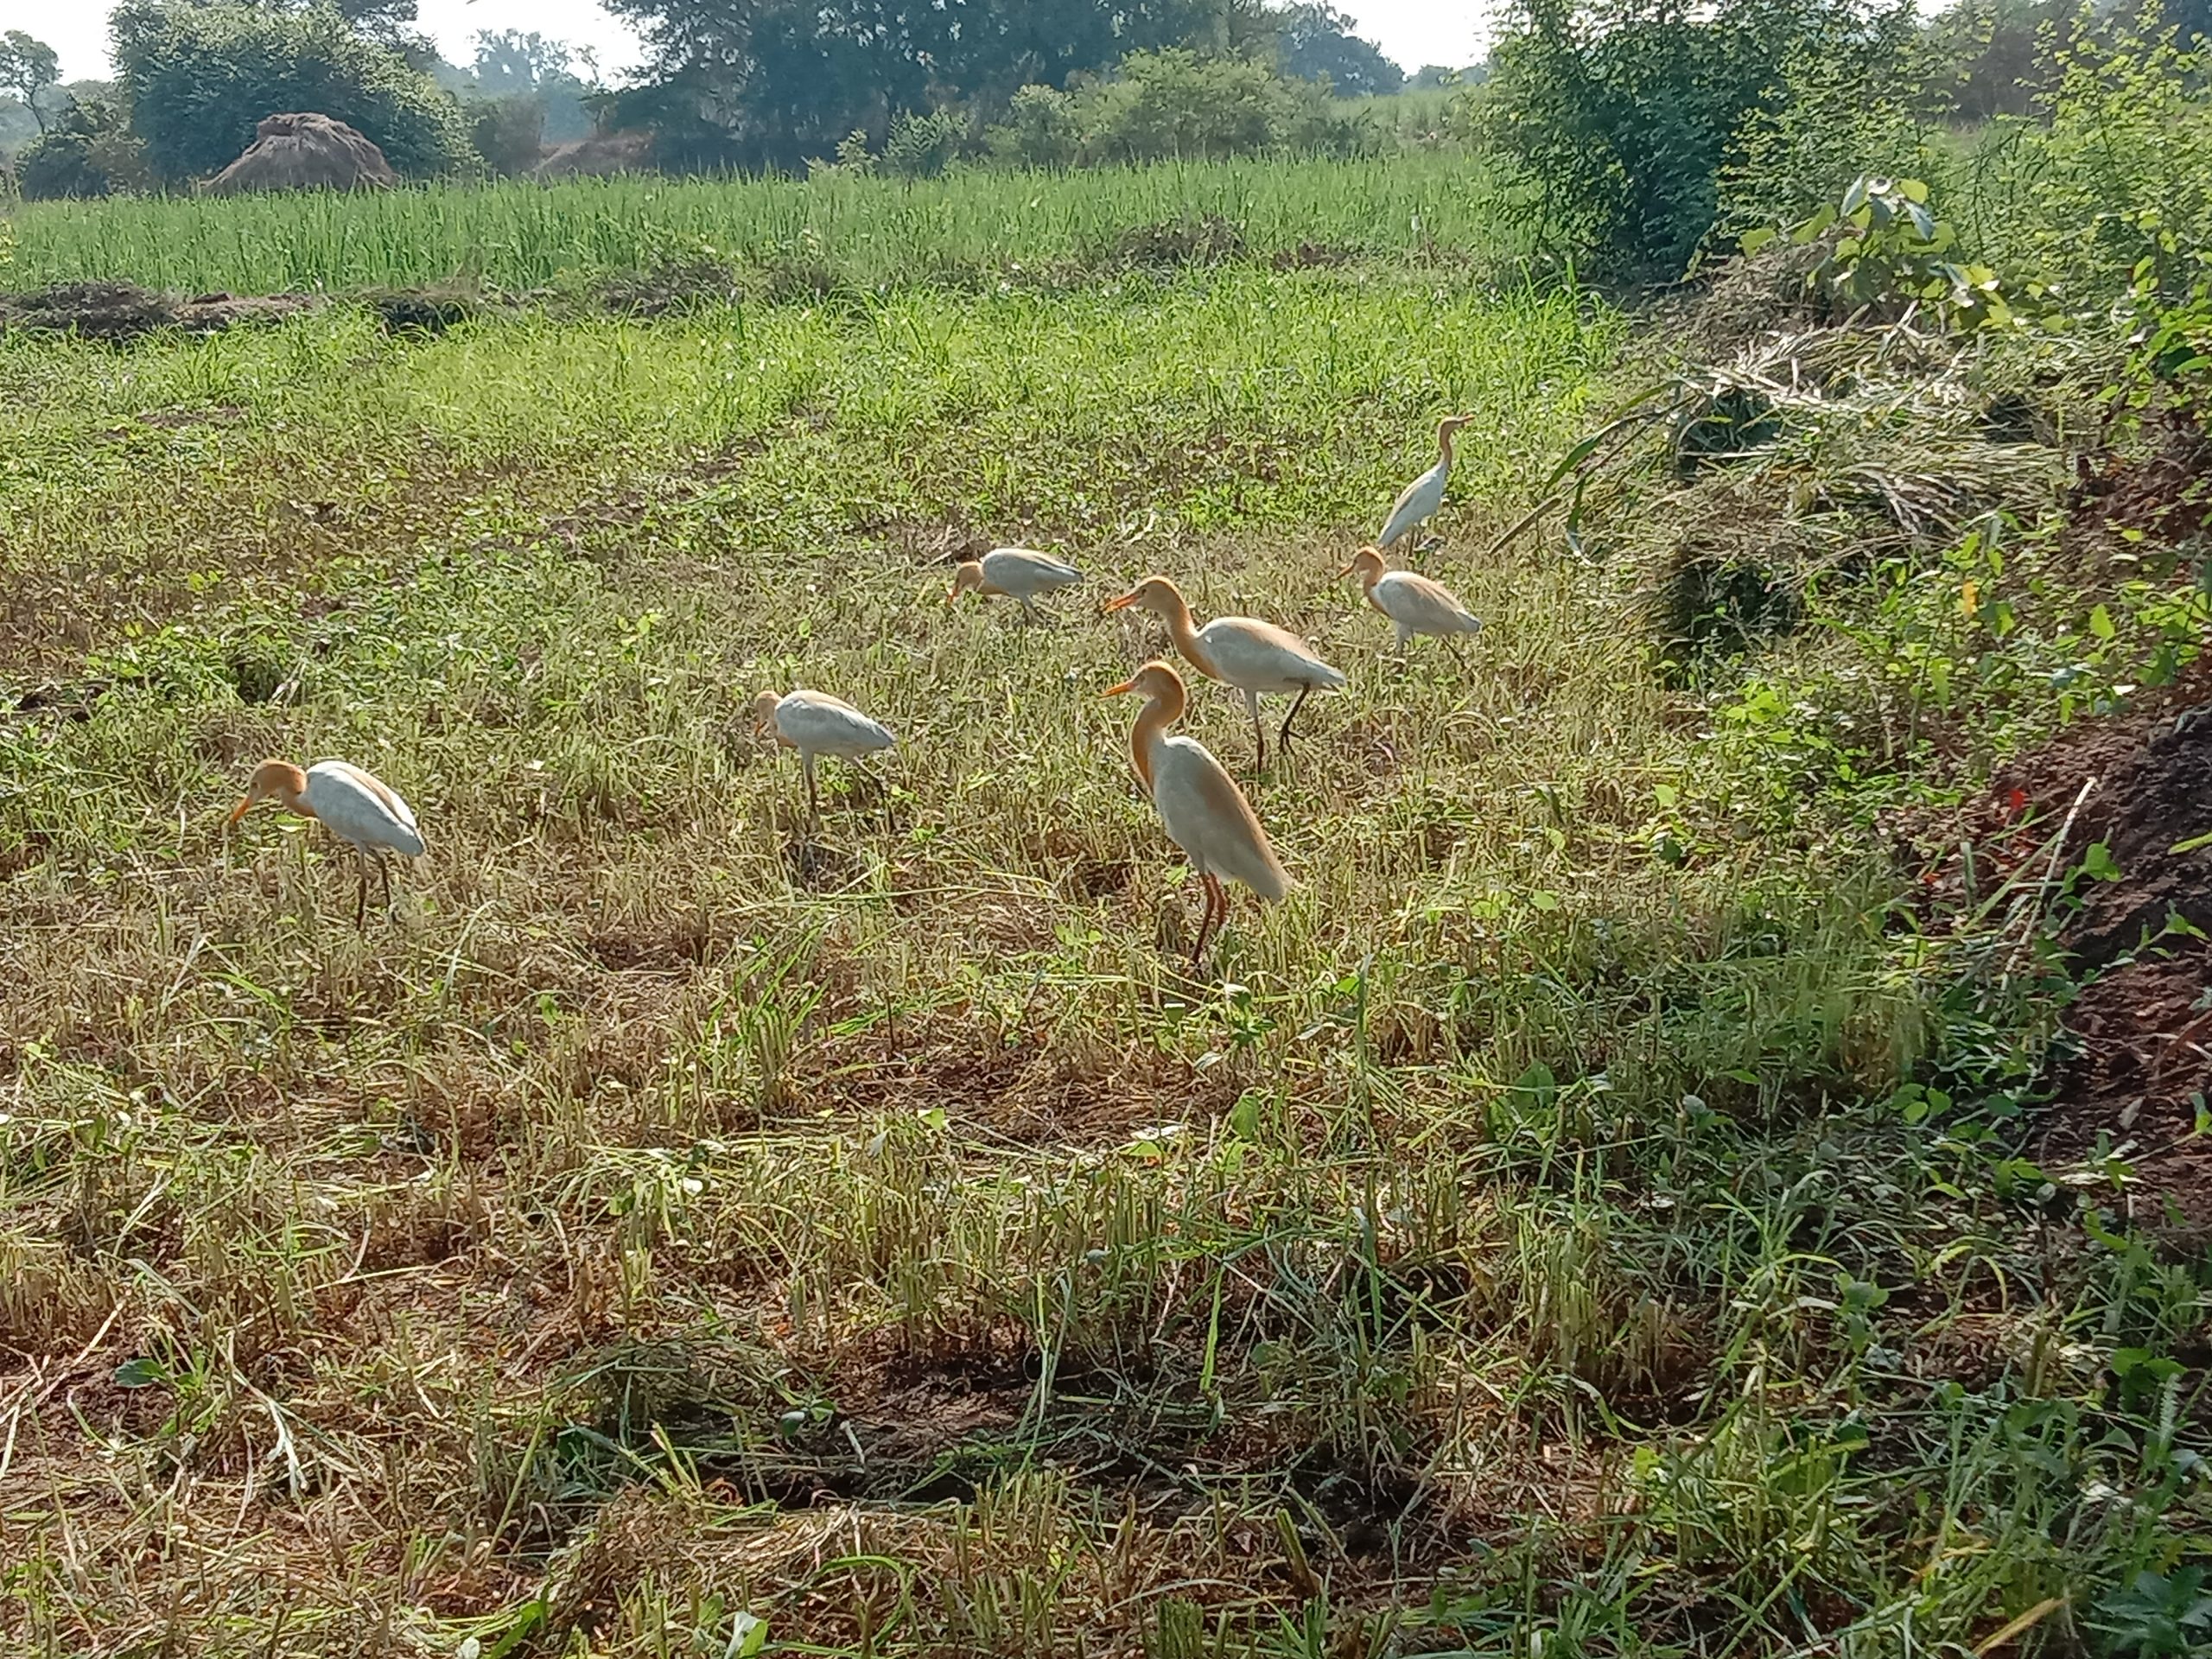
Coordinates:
1779	447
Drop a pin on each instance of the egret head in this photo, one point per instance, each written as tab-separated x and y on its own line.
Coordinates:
967	577
1156	680
1155	594
1366	564
764	709
274	780
1451	424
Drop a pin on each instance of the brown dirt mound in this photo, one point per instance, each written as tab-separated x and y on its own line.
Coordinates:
2145	1019
305	151
120	311
2166	495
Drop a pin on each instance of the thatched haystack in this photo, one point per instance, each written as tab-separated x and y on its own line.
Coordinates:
305	151
601	155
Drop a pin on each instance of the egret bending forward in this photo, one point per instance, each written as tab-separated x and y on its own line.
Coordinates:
813	722
1019	573
1419	502
1414	603
1252	656
1200	805
364	812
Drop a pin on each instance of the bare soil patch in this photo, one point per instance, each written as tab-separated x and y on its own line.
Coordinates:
2144	1021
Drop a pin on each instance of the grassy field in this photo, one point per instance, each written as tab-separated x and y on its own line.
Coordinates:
677	1231
979	228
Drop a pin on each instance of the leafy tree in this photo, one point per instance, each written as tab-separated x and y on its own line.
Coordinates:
89	152
1432	78
1999	54
28	67
509	61
201	77
781	81
1314	41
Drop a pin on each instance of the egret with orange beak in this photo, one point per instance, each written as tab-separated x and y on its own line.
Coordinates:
813	722
1414	603
364	812
1200	805
1419	502
1019	573
1252	656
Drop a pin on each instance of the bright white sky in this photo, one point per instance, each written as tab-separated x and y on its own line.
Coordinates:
1414	32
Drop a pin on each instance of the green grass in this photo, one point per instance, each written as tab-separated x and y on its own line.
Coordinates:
862	232
672	1218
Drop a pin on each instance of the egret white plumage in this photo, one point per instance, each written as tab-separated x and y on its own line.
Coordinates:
363	811
813	722
1414	603
1419	502
1020	573
1200	805
1255	656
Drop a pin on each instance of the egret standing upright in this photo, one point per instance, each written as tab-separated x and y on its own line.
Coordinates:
1200	805
1421	500
364	812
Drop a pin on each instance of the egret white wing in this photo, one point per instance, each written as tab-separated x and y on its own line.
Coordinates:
1414	601
361	809
828	725
1022	571
1257	656
1416	504
1207	815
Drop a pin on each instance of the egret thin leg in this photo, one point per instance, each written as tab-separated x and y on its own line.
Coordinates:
1282	739
1216	910
361	894
813	800
1259	733
384	874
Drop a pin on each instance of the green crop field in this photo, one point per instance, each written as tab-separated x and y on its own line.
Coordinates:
979	228
679	1228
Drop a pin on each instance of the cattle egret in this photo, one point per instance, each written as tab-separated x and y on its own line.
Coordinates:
813	722
1421	499
1019	573
1414	603
1254	657
364	812
1200	805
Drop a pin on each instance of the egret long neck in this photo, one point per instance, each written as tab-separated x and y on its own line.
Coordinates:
1369	576
1153	724
1444	438
1184	632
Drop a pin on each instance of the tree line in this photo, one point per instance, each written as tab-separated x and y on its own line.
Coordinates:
754	84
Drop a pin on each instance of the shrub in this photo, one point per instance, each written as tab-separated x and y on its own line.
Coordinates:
1042	130
1174	103
1843	109
2121	172
923	146
200	78
89	152
509	133
1623	117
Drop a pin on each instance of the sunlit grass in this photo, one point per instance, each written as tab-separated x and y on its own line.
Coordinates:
674	1215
